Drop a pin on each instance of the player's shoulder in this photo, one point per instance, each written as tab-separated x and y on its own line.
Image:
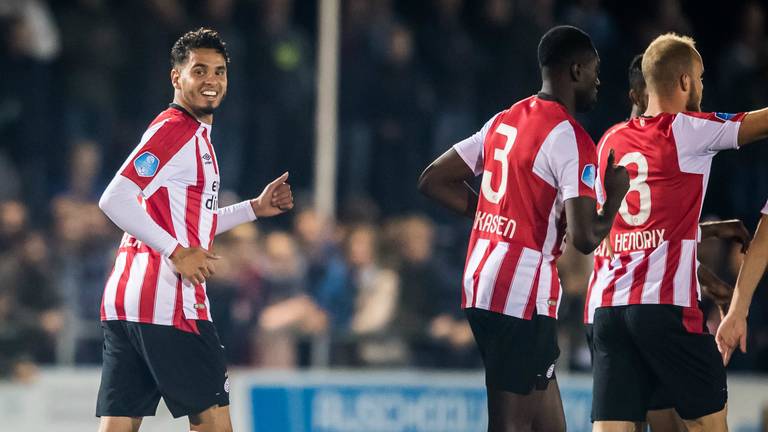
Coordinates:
717	117
174	119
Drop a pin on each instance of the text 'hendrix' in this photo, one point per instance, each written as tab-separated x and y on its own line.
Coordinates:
494	224
631	241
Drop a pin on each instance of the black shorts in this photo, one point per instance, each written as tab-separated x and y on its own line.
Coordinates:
642	350
519	355
142	362
659	398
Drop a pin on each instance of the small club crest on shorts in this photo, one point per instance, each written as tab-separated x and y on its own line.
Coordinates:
550	371
226	385
199	306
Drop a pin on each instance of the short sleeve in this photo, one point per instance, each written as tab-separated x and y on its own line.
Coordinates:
765	209
572	160
706	133
471	149
160	156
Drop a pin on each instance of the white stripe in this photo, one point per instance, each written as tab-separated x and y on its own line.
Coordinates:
206	225
596	296
110	290
133	287
165	294
474	261
682	280
624	283
657	264
545	282
549	240
522	282
177	197
188	300
207	303
488	275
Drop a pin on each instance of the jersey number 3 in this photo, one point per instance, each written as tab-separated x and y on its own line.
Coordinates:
500	155
637	184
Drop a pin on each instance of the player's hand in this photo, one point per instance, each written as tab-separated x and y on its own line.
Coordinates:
194	264
733	229
616	181
276	198
731	333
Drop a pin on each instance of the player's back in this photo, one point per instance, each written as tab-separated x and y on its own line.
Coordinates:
655	233
533	157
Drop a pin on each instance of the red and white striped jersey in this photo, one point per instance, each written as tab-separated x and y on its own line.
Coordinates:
655	233
176	168
538	157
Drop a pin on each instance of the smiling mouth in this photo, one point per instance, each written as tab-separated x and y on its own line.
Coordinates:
211	94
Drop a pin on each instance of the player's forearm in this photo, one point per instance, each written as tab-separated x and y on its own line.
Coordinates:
754	127
234	215
120	203
458	197
751	271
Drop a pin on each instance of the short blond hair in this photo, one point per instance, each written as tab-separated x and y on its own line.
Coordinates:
666	58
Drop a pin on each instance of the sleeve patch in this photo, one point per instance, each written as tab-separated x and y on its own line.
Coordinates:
588	175
724	116
146	164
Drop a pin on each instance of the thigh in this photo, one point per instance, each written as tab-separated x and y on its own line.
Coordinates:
519	355
127	386
540	410
622	382
189	368
687	364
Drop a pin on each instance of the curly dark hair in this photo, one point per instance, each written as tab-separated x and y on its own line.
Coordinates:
200	38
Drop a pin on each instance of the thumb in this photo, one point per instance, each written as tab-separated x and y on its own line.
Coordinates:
212	255
727	356
278	181
743	343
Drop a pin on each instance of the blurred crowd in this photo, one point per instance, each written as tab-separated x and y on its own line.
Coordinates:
379	285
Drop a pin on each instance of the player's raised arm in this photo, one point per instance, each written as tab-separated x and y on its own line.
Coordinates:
732	332
754	127
445	181
586	226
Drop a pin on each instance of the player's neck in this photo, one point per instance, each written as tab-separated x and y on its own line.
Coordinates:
201	117
549	91
658	105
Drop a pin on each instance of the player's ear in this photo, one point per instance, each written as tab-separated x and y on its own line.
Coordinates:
175	76
575	71
632	96
685	82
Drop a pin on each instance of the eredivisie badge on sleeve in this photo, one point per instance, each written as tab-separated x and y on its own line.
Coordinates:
146	164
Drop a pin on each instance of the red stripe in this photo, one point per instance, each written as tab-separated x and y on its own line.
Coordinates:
638	280
120	295
159	208
693	319
554	290
667	295
202	312
476	275
210	151
504	279
194	201
213	230
179	320
149	289
611	288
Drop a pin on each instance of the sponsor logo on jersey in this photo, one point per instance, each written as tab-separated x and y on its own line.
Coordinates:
588	176
146	164
724	116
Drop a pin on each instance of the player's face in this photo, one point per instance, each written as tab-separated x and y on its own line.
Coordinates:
201	82
697	87
586	88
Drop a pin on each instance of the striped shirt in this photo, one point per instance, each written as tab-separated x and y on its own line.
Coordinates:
175	167
655	234
532	158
